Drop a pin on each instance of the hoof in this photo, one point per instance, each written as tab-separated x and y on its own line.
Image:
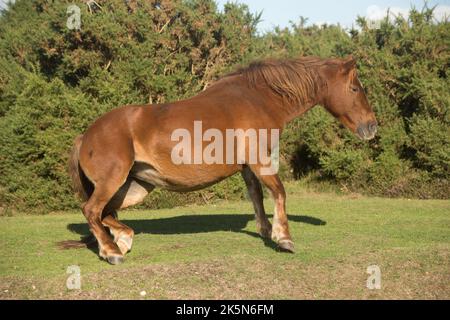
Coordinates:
114	260
286	246
124	243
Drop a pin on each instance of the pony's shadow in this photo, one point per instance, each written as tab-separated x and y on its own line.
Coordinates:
191	224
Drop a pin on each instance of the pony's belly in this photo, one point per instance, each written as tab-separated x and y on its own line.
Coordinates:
181	178
148	174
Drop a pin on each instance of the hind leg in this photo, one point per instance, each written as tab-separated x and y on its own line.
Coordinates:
255	192
106	157
107	180
131	193
92	210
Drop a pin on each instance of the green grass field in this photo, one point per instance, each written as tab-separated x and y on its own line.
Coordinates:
213	252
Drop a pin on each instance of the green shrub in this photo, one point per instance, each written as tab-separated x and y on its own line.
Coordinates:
343	165
54	82
430	139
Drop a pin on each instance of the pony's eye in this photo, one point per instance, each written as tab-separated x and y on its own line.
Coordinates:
355	89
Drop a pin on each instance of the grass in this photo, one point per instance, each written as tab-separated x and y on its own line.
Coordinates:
213	252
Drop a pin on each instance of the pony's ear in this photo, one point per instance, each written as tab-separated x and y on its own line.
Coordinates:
348	64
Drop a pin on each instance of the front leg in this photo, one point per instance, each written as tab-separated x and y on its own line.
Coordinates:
280	228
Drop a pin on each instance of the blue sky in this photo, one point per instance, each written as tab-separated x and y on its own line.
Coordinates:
279	12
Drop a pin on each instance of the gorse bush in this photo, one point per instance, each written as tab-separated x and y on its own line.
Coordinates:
55	81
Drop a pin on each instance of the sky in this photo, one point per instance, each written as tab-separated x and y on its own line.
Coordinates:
345	12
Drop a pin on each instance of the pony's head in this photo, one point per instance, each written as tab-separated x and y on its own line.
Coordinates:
346	100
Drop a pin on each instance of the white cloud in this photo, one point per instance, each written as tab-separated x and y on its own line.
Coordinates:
375	13
442	12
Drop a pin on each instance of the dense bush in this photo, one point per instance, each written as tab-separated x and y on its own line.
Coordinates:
54	82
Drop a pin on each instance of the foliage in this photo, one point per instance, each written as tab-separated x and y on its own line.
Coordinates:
55	81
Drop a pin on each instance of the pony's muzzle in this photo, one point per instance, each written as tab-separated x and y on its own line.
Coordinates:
367	130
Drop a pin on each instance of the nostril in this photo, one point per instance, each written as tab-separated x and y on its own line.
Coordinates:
373	127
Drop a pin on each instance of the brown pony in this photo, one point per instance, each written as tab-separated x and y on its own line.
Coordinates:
126	153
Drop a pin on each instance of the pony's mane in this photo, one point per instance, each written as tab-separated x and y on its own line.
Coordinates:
294	79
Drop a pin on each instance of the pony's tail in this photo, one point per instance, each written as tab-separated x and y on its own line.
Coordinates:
84	188
80	183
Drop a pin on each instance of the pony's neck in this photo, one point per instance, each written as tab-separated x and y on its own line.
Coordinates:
280	107
293	85
296	111
292	110
288	110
